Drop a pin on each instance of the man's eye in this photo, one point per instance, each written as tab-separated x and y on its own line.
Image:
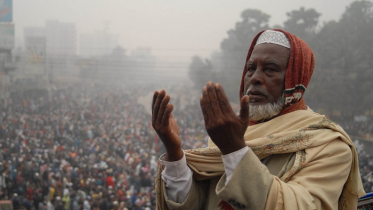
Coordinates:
250	69
269	70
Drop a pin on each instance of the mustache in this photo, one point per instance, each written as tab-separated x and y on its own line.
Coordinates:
258	89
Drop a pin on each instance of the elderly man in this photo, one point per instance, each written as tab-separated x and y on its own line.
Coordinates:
276	154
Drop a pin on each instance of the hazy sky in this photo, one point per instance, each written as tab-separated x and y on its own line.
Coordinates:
172	28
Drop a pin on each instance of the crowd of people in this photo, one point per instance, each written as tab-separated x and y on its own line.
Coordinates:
93	148
365	166
356	128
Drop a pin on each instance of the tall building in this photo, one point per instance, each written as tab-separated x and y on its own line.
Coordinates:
6	45
97	43
61	38
50	51
34	32
34	56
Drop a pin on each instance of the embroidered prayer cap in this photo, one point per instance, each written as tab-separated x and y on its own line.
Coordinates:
274	37
298	73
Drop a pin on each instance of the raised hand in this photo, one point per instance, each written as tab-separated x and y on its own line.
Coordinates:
165	125
224	127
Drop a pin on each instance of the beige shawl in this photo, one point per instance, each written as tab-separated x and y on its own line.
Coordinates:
292	132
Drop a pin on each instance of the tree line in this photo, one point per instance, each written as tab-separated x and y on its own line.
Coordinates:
342	81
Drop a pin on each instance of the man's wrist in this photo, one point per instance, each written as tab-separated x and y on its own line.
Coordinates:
174	155
232	148
173	168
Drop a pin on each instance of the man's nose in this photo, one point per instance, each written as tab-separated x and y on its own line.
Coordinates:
257	77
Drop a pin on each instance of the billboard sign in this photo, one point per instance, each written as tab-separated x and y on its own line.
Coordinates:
35	49
6	10
35	55
7	36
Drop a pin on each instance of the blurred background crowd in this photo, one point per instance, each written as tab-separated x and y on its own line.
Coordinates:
84	149
95	148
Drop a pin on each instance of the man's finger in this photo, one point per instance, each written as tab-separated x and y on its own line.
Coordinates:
157	104
205	105
166	115
223	100
204	113
244	110
155	95
214	100
162	109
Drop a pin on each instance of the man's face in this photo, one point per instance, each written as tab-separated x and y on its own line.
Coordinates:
265	74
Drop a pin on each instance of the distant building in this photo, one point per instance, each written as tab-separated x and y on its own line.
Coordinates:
48	56
97	44
34	31
7	44
33	58
61	38
6	63
144	65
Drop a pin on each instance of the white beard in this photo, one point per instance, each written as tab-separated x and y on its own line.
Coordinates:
266	111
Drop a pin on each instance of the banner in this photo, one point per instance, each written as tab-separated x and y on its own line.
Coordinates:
35	49
35	55
6	10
